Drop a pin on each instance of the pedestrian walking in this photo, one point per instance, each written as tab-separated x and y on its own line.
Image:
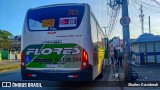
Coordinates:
115	55
111	56
120	57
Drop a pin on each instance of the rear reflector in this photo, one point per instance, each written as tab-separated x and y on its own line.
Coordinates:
29	75
72	76
84	64
51	32
32	75
22	64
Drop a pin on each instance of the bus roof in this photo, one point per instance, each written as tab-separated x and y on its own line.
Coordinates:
96	21
64	4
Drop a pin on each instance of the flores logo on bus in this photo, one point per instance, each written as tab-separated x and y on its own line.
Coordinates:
47	51
68	22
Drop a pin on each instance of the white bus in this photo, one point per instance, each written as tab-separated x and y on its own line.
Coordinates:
62	42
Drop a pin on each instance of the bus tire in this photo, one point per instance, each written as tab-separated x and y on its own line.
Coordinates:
100	76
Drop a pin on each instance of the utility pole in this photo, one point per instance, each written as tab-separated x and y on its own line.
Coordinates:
106	46
142	18
105	28
125	20
149	25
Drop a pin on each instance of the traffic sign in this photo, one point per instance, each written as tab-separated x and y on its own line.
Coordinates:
125	21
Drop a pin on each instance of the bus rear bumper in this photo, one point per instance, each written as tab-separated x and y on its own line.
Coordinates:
80	75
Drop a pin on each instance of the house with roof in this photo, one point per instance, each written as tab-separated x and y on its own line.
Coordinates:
146	49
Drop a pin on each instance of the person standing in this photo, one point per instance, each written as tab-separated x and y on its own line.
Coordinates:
111	56
115	55
120	57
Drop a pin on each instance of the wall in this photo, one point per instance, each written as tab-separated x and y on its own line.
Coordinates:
15	55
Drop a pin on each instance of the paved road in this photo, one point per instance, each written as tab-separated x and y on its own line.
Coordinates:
16	76
142	70
147	73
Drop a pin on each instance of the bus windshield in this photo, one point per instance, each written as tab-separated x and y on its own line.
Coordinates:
55	18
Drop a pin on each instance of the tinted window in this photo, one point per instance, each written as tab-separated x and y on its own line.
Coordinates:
55	18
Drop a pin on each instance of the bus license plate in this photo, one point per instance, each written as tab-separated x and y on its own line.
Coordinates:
48	23
51	65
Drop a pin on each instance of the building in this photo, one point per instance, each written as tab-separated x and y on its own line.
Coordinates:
16	48
16	43
116	42
147	49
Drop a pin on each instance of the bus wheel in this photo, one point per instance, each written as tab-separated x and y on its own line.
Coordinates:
100	76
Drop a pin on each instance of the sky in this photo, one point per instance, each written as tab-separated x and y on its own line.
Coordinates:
12	14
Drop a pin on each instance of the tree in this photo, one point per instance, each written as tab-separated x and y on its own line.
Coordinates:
5	39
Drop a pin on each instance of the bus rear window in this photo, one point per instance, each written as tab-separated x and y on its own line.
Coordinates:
55	18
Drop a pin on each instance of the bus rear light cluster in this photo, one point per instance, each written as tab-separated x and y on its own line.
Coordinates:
85	62
32	75
23	60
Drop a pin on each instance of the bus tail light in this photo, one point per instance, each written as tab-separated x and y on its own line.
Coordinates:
23	60
85	62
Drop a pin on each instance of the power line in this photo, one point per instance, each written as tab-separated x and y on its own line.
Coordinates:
133	4
148	7
144	28
135	7
138	25
113	21
151	10
156	2
148	4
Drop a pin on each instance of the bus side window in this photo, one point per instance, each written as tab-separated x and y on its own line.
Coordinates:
94	30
